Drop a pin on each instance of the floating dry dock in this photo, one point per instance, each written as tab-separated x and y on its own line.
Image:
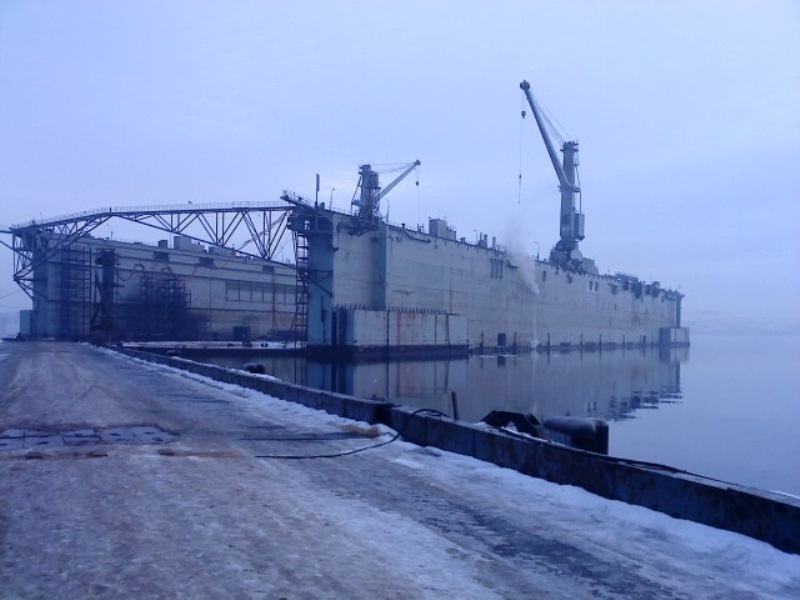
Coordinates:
767	516
376	288
392	290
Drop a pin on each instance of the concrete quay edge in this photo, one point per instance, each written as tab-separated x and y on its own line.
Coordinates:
770	517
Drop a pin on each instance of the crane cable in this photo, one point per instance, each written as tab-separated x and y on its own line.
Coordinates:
522	112
419	197
554	129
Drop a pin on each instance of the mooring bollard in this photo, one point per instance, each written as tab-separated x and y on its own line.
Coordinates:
454	403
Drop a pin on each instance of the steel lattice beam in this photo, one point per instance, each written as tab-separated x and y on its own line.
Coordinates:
36	242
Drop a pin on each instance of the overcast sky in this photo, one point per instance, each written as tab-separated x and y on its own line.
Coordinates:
687	114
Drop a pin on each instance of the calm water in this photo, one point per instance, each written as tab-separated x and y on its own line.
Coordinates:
727	408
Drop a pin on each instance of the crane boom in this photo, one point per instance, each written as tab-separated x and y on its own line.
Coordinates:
562	177
399	178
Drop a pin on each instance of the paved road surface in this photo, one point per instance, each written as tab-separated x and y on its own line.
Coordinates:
127	480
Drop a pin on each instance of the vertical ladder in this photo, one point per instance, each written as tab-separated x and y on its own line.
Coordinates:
300	320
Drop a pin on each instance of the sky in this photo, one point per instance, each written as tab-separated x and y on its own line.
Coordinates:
687	115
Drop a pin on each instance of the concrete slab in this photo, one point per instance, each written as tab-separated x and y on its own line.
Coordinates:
84	440
150	435
118	435
12	433
77	433
50	441
37	433
11	444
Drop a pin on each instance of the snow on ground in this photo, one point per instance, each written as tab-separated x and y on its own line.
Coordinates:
203	517
691	551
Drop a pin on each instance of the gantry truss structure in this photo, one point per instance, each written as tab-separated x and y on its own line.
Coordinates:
36	242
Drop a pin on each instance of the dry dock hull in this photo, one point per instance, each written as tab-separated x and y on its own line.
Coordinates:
389	286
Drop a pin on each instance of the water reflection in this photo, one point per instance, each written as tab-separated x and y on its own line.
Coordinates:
610	385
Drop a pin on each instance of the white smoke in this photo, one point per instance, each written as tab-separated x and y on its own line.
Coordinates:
521	251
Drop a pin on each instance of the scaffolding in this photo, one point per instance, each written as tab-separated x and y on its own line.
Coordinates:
162	309
75	301
105	285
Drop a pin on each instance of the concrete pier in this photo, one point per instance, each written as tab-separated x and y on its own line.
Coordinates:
179	505
767	516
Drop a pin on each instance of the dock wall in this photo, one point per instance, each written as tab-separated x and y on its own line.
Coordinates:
766	516
509	299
